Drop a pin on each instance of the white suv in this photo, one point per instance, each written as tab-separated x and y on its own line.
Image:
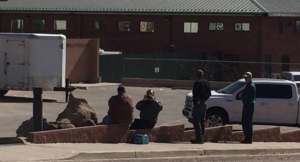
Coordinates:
292	76
276	103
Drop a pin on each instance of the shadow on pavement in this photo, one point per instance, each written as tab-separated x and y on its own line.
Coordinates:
11	99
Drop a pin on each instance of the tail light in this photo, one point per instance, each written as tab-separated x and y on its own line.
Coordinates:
298	85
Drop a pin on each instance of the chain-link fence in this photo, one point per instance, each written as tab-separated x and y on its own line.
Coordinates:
215	70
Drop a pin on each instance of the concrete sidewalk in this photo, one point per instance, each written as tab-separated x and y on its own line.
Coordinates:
33	152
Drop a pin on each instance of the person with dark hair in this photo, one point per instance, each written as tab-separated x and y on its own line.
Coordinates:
201	93
149	109
120	108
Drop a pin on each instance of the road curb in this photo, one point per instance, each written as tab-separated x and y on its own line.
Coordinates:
101	155
178	153
134	154
253	151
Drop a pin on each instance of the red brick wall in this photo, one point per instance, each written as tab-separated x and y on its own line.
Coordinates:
82	62
278	44
168	30
72	27
130	42
250	46
228	41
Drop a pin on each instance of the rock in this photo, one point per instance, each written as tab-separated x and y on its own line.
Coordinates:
78	112
27	126
88	122
62	124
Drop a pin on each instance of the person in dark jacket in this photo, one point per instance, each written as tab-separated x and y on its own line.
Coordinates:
149	109
248	97
201	93
120	108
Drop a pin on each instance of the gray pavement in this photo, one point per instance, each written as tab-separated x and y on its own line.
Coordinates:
52	152
16	107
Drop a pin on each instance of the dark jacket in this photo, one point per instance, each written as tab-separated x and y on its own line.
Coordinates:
149	110
121	109
201	91
249	93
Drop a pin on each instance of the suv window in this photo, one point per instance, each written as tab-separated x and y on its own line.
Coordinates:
278	91
297	77
260	91
271	91
288	76
231	88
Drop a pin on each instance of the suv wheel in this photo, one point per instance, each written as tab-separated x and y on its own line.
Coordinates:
214	119
3	92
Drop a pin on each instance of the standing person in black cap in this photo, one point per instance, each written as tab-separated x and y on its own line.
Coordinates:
248	97
201	93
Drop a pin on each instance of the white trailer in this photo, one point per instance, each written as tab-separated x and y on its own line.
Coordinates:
32	60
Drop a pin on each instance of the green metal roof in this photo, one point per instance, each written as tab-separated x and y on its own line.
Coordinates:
281	7
134	6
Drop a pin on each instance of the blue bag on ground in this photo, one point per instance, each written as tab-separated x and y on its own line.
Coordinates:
140	139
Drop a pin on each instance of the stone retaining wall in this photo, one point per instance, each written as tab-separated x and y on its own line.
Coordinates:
165	134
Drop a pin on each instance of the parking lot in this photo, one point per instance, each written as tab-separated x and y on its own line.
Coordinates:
16	107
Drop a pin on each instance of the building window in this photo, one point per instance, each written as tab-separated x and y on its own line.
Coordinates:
146	26
216	26
190	27
285	63
99	25
297	26
60	24
282	27
38	24
124	26
242	27
16	25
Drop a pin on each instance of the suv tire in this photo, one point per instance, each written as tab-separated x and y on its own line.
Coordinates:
215	118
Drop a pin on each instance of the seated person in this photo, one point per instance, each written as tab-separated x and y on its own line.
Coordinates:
120	108
149	109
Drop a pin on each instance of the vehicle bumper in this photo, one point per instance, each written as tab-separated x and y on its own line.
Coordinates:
187	113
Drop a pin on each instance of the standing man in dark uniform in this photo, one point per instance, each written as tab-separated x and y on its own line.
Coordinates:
248	98
201	93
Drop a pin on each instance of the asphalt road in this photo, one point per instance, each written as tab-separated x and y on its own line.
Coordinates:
16	107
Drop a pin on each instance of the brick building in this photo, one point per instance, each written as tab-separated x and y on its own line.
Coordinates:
252	30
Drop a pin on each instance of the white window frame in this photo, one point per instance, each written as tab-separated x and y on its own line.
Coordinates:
99	25
216	26
20	25
37	20
124	26
190	27
242	27
146	26
60	24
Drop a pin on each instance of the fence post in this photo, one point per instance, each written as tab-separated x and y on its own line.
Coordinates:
67	89
37	109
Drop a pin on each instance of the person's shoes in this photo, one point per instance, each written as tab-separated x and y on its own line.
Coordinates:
197	141
246	142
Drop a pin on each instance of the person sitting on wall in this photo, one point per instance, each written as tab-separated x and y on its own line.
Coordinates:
149	109
120	108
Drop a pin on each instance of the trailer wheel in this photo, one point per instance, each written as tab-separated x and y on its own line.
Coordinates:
3	92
